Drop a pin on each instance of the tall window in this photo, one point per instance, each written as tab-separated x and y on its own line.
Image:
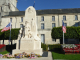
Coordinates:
53	25
65	24
42	25
43	38
53	18
76	17
42	18
21	25
21	19
64	17
10	19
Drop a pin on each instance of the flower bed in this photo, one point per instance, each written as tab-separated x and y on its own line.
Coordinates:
71	48
2	47
78	45
20	55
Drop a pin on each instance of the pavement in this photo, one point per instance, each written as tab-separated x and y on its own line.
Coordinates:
45	56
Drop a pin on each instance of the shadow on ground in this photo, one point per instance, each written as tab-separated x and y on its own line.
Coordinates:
58	50
9	48
45	54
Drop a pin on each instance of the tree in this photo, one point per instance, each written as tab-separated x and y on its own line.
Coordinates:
71	33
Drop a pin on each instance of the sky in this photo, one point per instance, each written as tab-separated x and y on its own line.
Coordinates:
48	4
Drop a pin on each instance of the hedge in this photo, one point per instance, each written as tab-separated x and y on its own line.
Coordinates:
54	46
71	32
5	35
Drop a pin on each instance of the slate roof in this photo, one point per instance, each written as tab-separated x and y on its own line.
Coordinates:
17	13
47	11
58	11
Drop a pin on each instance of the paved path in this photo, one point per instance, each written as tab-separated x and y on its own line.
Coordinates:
45	57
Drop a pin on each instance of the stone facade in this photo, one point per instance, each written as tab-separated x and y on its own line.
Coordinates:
70	21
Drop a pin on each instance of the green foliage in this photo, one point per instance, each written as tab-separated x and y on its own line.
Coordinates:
1	35
78	31
71	32
5	35
44	46
57	56
52	47
4	52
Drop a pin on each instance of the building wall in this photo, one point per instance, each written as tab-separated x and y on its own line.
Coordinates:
47	27
16	21
70	20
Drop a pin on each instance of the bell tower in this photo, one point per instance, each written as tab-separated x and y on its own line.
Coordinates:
8	5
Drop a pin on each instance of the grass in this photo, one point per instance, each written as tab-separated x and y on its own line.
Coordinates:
68	56
4	52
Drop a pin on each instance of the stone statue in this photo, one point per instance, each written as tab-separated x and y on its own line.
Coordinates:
31	33
28	33
20	31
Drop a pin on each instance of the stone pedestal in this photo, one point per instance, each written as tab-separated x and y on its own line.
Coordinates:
28	46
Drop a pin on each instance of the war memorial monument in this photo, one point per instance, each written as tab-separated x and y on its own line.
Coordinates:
28	40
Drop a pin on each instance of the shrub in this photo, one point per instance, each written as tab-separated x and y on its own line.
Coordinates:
5	35
44	46
55	46
71	32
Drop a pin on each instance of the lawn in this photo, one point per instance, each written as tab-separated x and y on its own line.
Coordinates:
68	56
4	52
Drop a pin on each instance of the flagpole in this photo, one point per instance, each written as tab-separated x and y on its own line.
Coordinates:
10	37
10	34
63	37
34	4
63	30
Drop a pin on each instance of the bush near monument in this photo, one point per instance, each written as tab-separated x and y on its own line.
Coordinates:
5	35
44	46
54	46
71	33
